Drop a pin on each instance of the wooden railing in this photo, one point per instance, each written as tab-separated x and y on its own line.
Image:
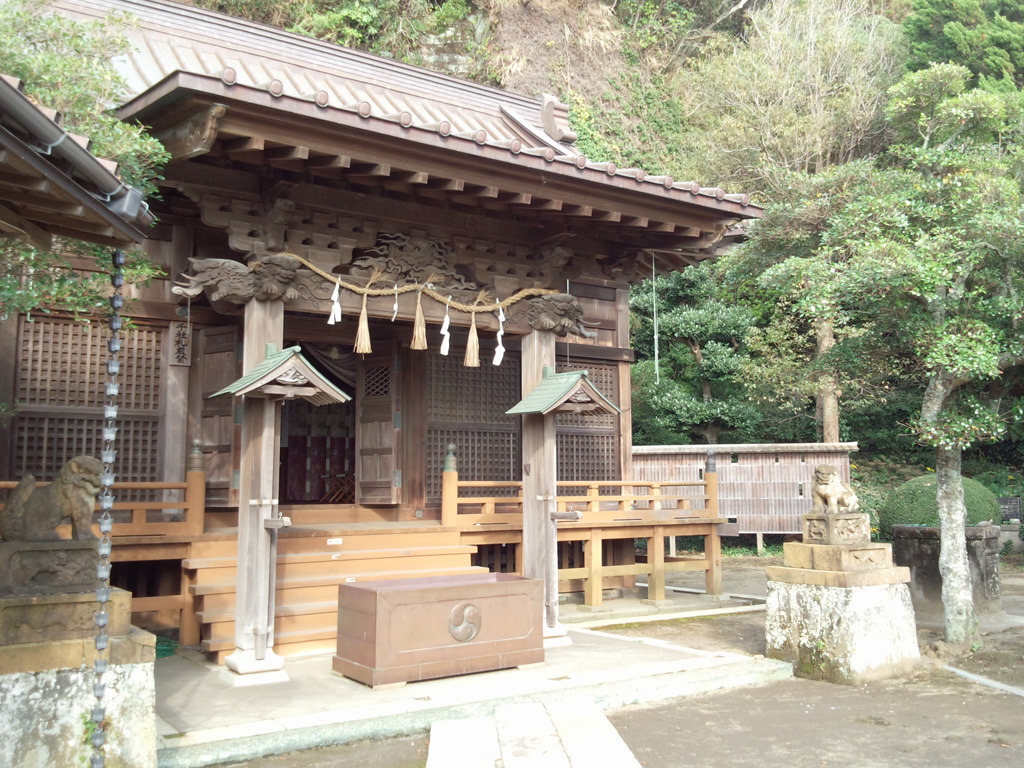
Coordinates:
152	518
610	510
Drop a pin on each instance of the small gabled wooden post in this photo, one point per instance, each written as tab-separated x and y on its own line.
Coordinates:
546	393
268	379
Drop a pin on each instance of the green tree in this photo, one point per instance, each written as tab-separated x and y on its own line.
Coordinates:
66	65
804	90
689	391
986	36
933	246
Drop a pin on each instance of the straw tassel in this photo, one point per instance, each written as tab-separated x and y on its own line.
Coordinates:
362	345
472	358
419	326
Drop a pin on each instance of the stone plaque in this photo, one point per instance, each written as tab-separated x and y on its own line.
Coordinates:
1011	507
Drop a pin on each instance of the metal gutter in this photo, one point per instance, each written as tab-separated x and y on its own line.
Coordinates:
125	201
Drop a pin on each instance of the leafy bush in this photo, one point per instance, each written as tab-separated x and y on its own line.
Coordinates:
914	503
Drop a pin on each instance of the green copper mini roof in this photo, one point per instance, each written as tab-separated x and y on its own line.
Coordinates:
570	392
286	374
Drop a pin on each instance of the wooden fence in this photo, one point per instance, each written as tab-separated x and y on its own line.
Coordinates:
613	510
766	487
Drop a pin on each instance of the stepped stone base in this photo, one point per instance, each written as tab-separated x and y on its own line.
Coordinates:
839	610
846	635
47	653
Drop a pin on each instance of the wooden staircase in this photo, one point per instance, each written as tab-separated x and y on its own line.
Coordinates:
312	560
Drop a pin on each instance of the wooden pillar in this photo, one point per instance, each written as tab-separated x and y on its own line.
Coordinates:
257	550
540	478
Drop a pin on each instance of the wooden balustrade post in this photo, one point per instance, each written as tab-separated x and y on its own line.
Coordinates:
450	489
711	485
195	491
592	555
656	565
594	498
712	541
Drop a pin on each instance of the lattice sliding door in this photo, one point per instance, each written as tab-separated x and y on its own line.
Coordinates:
379	428
466	407
588	445
61	371
217	363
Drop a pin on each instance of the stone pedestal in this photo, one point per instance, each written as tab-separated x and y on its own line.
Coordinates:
917	547
47	652
47	567
839	610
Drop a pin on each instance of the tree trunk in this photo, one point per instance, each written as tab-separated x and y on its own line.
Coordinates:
827	397
957	597
710	432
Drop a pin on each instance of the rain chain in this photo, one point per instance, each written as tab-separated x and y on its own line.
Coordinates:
106	503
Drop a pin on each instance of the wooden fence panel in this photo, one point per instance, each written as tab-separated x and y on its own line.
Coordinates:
766	487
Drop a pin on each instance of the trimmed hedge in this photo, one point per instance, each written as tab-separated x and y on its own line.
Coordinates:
913	503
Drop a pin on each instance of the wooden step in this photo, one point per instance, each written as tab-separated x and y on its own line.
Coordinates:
313	581
312	560
325	606
284	626
288	572
193	563
280	641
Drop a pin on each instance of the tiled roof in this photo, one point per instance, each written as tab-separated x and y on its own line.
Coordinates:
171	37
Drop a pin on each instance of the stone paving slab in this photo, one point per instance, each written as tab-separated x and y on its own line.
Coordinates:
204	719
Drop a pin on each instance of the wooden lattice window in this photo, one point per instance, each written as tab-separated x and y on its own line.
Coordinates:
466	407
60	375
378	382
588	444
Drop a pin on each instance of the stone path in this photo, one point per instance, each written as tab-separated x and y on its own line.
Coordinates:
565	734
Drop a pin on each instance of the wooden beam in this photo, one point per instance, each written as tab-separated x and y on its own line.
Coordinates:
18	182
368	171
328	165
289	158
195	135
245	150
539	204
582	211
13	223
482	192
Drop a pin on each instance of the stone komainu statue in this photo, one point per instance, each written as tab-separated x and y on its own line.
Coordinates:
33	514
829	494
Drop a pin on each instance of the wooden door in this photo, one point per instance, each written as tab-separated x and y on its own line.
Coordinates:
218	364
379	428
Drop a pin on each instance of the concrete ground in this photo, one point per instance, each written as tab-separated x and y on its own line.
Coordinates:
936	717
